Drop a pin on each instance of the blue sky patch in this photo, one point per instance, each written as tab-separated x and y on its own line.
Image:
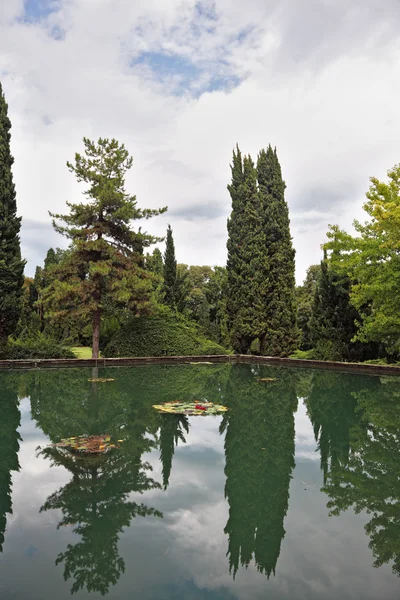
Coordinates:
36	10
182	76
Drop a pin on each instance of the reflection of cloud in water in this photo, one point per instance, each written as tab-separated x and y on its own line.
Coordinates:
305	441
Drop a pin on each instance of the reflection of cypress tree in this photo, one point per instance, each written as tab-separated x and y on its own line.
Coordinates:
259	450
331	406
96	498
9	445
370	480
171	431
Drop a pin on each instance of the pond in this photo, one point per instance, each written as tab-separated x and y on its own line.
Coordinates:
293	493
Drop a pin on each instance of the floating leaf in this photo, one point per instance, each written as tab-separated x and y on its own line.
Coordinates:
190	408
93	444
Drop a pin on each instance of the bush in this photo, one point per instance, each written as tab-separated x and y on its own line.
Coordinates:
37	347
164	334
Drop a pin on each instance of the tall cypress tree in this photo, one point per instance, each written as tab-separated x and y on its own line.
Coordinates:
280	332
261	285
11	264
246	244
170	269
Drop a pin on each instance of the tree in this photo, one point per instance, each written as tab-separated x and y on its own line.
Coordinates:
305	295
105	259
246	246
261	288
11	263
170	270
371	260
280	331
333	320
154	262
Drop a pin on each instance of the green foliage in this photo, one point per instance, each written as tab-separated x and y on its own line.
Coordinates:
305	295
11	264
333	320
201	297
371	259
154	264
163	334
170	270
37	346
105	260
261	300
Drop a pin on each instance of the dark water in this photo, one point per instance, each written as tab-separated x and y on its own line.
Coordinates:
293	494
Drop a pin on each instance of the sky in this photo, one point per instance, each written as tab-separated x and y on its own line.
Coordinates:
180	82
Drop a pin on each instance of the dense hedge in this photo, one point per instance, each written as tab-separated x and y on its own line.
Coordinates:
164	334
37	347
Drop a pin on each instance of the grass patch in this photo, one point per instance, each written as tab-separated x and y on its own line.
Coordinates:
303	354
82	351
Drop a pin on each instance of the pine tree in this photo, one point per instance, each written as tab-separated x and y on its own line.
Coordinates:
11	264
261	287
170	270
106	255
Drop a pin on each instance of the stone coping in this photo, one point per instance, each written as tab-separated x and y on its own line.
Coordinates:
232	358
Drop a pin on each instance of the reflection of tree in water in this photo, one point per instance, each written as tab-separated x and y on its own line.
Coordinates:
356	422
172	430
259	450
96	500
191	382
9	445
370	480
331	406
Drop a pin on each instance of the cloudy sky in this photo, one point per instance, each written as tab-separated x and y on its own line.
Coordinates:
180	82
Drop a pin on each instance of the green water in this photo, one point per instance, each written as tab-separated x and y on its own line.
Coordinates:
292	494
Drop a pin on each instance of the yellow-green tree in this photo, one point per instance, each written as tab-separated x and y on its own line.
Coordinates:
371	259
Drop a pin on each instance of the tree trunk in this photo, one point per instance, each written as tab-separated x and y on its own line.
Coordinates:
96	334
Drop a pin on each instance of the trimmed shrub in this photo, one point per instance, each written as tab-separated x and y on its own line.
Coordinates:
38	347
164	334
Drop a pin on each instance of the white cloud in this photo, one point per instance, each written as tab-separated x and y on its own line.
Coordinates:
321	83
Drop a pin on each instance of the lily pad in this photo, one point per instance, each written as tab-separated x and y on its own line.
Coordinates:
178	407
92	444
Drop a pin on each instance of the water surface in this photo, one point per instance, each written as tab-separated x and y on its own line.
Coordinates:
292	494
